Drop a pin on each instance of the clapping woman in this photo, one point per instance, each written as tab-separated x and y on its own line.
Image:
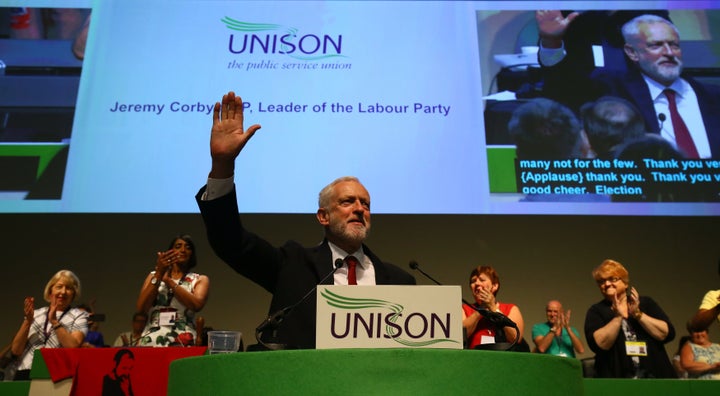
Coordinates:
58	325
627	331
171	295
484	283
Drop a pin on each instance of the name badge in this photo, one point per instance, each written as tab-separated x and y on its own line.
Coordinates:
487	339
167	318
636	348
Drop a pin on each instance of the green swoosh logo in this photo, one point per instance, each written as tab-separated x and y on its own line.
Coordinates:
344	302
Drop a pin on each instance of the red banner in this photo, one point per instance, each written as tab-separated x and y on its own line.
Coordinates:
115	371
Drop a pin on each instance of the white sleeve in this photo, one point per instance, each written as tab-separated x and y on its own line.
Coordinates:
551	56
217	188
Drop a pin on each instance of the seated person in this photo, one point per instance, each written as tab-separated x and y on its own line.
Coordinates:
485	285
132	338
94	338
700	357
677	364
556	336
543	129
608	122
653	146
58	325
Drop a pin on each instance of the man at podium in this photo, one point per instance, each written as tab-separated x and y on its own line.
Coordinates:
290	271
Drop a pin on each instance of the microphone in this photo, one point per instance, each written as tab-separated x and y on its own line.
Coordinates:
496	318
662	117
414	265
273	321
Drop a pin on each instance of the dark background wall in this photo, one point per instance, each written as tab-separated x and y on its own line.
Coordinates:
673	259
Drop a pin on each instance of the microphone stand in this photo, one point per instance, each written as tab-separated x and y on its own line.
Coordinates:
498	319
274	320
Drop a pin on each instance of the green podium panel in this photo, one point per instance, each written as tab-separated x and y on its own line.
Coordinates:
17	388
376	372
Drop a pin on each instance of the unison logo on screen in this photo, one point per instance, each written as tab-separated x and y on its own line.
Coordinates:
279	39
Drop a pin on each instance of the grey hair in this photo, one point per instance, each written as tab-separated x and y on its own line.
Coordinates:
631	29
63	275
326	192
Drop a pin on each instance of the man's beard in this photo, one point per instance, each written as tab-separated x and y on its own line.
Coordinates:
349	232
666	73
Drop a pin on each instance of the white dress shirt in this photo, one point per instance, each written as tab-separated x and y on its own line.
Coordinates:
688	108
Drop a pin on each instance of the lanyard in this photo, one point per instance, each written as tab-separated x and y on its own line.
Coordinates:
47	319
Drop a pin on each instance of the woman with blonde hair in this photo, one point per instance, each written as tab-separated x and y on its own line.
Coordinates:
627	331
58	325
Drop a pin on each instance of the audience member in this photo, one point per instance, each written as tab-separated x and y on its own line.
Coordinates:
700	357
485	285
132	338
709	309
682	110
627	331
291	271
171	295
58	325
556	336
573	44
677	364
608	122
544	129
94	338
652	146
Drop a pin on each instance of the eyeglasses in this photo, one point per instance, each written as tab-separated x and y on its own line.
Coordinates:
612	279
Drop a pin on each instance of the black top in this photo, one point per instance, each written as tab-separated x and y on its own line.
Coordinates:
615	363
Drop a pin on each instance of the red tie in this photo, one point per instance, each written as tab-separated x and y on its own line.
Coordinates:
682	135
352	262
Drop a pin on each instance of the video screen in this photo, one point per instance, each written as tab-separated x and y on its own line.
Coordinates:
437	107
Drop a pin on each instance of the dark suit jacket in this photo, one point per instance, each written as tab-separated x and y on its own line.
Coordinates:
288	272
563	82
632	87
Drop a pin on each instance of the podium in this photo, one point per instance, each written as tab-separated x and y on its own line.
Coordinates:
365	372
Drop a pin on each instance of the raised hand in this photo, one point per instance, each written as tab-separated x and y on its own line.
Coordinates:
165	261
228	136
566	318
487	297
552	24
633	302
29	309
620	305
52	312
